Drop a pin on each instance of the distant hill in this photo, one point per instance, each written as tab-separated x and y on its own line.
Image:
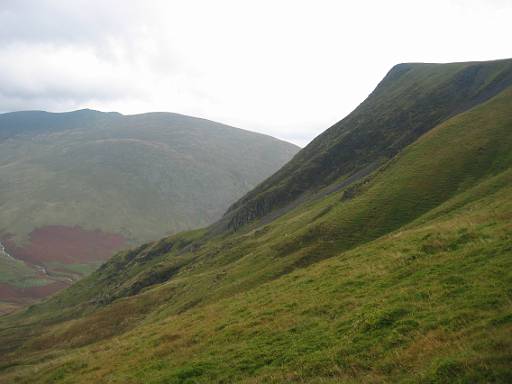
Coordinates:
380	254
78	186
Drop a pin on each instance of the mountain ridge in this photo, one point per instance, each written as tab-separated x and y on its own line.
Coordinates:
286	187
94	112
402	275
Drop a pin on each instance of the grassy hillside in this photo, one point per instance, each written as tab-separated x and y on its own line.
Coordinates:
78	186
403	276
431	307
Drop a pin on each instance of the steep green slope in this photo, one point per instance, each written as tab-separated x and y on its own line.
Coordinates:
78	186
430	304
409	101
401	277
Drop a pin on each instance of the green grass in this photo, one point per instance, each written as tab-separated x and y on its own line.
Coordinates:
404	277
429	304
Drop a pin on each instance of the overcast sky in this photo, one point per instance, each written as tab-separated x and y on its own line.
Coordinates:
286	68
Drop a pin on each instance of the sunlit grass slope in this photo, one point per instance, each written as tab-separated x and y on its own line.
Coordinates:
404	276
430	304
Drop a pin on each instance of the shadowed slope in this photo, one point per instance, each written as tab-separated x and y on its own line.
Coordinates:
409	101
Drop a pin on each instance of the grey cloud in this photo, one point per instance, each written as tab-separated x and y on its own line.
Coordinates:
43	43
77	21
288	68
